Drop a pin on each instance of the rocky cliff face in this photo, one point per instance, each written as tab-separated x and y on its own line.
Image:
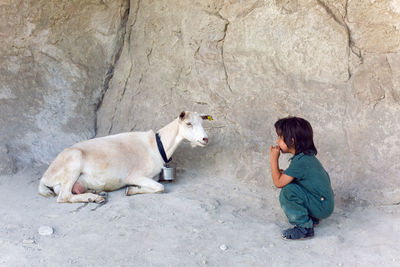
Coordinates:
73	70
55	61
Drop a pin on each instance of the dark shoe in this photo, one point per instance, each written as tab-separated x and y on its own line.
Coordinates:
315	221
297	232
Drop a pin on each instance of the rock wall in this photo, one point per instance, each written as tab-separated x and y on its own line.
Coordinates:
55	60
247	63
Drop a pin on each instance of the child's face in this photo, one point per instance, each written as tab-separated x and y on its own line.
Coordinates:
282	145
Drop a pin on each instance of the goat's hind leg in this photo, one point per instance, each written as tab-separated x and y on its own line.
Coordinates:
71	173
142	185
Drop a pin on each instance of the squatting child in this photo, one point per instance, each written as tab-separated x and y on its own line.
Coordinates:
306	194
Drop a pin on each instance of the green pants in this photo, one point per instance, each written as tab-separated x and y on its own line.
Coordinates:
299	204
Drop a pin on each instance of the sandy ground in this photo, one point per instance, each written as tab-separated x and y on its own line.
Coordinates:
186	226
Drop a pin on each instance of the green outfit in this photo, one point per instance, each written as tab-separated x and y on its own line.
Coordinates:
309	194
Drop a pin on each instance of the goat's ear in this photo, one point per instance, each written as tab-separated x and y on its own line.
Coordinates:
182	115
206	117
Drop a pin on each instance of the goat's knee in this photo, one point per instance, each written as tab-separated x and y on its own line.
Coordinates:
62	198
159	188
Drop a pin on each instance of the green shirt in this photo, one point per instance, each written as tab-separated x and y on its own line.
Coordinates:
311	175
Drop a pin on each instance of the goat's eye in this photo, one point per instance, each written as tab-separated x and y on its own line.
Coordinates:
189	124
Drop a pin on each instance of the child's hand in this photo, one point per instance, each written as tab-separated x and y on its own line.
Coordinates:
274	152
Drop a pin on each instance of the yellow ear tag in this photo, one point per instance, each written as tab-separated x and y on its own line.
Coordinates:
209	118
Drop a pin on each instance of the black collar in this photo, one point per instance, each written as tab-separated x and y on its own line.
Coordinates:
161	149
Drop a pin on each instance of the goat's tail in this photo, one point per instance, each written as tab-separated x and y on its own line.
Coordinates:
45	191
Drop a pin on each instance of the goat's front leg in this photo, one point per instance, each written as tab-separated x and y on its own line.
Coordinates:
142	185
86	197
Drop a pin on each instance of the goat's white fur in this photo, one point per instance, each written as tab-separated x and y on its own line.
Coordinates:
109	163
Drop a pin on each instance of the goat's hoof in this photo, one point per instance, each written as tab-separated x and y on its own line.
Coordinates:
103	194
128	191
100	199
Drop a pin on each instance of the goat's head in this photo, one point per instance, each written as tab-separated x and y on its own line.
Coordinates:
191	128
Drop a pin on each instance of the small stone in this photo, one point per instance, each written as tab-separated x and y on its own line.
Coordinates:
220	221
45	230
11	227
223	247
28	241
204	262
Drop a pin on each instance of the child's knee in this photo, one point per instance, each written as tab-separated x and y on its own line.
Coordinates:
288	192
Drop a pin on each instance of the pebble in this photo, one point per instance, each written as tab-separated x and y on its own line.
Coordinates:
223	247
28	241
45	230
221	221
11	227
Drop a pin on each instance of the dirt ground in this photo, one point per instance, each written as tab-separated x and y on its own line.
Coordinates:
200	221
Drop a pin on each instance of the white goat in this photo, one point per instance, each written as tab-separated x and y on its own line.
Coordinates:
109	163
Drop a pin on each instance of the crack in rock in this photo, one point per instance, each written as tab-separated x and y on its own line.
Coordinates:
110	72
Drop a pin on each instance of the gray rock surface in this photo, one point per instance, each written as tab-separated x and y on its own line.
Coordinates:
71	70
55	60
7	162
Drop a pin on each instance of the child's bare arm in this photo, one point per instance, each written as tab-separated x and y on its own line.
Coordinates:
279	179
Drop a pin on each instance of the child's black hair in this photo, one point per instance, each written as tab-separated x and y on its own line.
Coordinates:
298	130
